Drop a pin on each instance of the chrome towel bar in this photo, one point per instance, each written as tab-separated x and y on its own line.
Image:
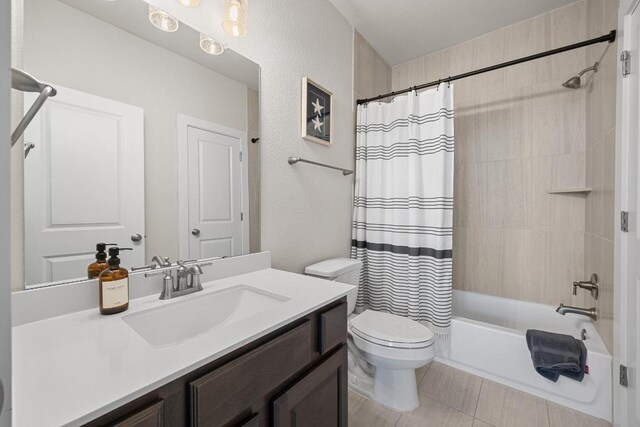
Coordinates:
294	160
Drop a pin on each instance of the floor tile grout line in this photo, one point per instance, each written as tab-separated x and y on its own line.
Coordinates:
448	406
475	412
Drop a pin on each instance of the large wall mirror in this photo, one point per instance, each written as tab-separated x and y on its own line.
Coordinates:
147	144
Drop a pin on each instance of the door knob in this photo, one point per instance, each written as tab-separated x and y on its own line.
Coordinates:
137	237
195	232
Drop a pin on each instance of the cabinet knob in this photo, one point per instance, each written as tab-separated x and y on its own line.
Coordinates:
195	232
136	237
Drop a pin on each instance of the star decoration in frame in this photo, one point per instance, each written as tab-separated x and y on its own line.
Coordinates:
317	106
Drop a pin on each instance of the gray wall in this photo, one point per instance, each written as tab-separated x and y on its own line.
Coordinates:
70	48
5	248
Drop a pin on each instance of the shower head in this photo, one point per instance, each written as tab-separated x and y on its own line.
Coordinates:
575	81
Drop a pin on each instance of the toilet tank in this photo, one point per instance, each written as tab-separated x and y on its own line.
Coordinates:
343	270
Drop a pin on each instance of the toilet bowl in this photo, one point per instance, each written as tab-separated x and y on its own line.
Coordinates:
384	349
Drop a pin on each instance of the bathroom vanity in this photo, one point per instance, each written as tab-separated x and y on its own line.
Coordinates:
274	354
153	151
296	375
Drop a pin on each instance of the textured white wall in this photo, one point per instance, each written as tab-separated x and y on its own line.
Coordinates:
306	211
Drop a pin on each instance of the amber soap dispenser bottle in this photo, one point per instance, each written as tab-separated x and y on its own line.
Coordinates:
100	264
114	285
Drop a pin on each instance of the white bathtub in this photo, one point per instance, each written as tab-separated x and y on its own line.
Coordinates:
487	339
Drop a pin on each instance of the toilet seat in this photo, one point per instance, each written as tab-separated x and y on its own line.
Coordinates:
392	331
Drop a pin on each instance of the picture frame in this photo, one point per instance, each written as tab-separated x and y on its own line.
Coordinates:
317	109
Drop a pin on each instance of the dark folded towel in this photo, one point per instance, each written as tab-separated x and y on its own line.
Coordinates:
557	354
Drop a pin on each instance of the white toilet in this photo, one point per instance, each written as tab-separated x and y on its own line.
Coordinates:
384	349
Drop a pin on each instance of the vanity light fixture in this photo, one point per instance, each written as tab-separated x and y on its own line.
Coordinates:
235	17
189	3
211	46
162	20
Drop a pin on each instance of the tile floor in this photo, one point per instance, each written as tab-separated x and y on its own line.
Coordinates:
453	398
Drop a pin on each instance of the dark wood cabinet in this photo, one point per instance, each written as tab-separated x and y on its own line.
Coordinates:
319	399
295	376
149	416
221	395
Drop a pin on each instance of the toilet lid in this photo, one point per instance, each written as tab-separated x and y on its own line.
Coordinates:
391	330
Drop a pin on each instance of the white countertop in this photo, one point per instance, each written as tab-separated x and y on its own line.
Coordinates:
71	369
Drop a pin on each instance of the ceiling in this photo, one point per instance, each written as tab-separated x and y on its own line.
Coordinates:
401	30
132	16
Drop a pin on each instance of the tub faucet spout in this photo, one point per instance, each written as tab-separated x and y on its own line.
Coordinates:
589	312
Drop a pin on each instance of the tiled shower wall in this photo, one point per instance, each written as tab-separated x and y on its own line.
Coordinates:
372	75
602	17
253	131
520	134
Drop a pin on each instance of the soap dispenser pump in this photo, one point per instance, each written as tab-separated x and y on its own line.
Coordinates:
100	264
114	285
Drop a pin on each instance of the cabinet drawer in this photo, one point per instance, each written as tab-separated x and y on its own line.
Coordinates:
332	328
220	396
149	416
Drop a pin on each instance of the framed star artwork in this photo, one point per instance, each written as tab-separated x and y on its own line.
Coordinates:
317	106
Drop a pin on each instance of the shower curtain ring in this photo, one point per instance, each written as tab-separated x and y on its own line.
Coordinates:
449	82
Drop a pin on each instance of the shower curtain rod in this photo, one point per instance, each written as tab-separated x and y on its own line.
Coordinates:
611	37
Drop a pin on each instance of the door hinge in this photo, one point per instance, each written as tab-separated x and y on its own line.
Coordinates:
624	380
241	216
624	221
241	156
625	58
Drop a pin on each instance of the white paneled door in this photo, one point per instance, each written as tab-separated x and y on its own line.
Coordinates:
214	176
84	184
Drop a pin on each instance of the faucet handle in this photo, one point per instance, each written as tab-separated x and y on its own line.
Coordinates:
196	272
592	285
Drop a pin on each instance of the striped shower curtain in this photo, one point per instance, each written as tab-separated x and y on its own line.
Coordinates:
403	207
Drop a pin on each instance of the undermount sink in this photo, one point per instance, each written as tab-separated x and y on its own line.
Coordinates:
190	316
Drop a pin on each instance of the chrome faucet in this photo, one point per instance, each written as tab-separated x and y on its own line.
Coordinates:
592	285
188	274
589	312
161	261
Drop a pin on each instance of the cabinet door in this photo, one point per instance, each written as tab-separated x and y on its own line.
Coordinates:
221	396
150	416
319	398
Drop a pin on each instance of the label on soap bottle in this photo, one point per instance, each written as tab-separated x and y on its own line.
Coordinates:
116	293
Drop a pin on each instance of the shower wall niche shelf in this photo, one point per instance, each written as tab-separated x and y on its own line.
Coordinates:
580	190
